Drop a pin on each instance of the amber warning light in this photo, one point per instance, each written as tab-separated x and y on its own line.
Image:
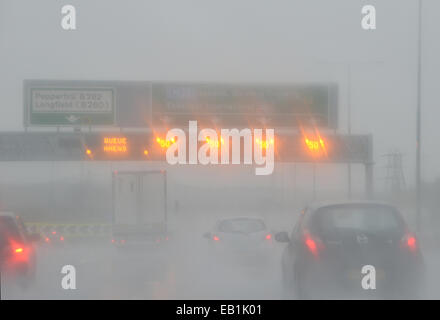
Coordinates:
316	145
164	144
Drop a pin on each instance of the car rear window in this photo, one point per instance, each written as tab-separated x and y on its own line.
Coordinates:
242	225
364	218
8	231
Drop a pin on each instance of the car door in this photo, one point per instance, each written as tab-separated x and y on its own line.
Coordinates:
291	251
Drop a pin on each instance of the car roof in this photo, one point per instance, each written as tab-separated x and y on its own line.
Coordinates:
316	205
7	214
220	220
241	217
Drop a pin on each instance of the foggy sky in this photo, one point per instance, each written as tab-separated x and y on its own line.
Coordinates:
239	41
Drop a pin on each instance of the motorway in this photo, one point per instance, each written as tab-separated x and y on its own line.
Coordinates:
165	271
177	269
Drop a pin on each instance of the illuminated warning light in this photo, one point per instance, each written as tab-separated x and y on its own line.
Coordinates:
146	152
19	250
115	149
115	140
88	152
214	144
165	143
115	144
264	143
317	146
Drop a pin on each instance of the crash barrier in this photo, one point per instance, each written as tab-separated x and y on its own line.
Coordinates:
70	229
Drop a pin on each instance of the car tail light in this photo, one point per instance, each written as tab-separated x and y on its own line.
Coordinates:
215	238
54	232
20	254
47	239
410	242
113	240
61	238
313	244
268	236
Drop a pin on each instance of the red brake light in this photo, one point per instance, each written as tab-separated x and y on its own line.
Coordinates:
19	250
215	238
62	238
311	245
47	239
410	242
20	254
54	232
269	236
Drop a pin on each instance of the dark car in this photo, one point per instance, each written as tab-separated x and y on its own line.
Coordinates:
17	252
334	247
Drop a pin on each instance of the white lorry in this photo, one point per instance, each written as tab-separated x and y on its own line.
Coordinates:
139	206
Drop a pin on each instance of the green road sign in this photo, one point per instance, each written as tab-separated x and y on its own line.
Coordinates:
245	104
71	107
